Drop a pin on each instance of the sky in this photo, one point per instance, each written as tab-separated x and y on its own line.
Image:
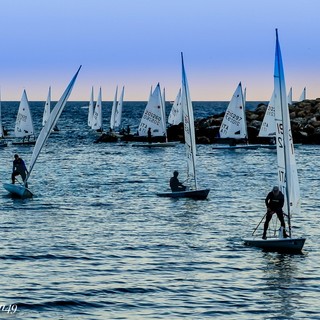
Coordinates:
137	43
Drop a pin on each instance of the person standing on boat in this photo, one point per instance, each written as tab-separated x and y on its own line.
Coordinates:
149	135
175	184
19	168
274	202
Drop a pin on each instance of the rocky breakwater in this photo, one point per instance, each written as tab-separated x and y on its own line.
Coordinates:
304	117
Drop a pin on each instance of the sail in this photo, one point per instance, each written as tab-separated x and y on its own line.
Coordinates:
118	114
287	170
152	116
163	109
268	126
97	115
90	110
24	124
189	131
290	96
113	110
1	126
52	121
303	95
46	111
175	116
234	122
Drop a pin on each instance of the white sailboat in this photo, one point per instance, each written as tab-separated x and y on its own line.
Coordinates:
175	116
47	106
22	190
90	109
303	95
190	143
97	114
268	126
24	125
116	112
153	120
286	169
2	143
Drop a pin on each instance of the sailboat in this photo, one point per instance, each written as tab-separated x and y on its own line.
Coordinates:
286	169
153	120
22	190
24	125
175	115
47	110
90	109
303	95
97	114
2	143
116	112
190	145
290	96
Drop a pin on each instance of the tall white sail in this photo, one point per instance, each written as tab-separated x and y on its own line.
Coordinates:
287	170
113	110
175	116
97	115
163	117
1	126
290	96
268	126
47	106
118	113
50	124
189	131
152	116
24	124
234	122
90	110
303	95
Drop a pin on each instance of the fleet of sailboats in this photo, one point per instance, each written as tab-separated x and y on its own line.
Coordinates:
286	168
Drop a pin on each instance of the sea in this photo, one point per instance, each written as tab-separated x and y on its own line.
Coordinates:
95	242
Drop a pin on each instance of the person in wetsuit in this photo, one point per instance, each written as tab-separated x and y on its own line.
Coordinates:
175	184
274	202
19	168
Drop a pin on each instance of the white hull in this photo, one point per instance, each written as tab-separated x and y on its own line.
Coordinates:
156	144
18	190
276	244
200	194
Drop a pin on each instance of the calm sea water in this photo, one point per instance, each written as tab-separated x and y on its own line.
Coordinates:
95	242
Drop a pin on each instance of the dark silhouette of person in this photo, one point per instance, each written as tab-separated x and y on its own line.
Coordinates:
274	202
175	184
19	168
149	135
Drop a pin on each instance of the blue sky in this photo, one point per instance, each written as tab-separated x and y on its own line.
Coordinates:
137	43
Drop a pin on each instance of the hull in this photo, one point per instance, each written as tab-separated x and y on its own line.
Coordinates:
25	143
156	144
243	146
200	194
275	244
18	190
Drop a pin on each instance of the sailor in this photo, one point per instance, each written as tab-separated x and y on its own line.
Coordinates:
175	184
274	202
19	168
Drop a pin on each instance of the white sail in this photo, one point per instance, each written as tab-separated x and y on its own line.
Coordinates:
290	96
97	115
90	110
163	108
234	122
113	110
1	126
303	95
287	170
46	111
175	116
50	124
152	116
268	126
189	130
118	114
24	124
